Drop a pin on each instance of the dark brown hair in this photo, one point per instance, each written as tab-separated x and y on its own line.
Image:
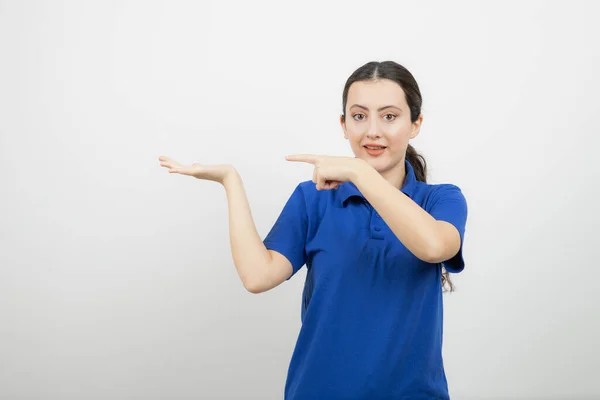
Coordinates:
395	72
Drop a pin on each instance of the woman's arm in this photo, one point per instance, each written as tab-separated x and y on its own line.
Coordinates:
428	239
259	269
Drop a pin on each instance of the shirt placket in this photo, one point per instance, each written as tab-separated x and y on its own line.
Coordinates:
377	224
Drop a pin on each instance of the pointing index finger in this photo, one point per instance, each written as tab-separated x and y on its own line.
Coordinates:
308	158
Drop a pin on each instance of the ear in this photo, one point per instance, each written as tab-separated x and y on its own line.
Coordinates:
343	124
416	127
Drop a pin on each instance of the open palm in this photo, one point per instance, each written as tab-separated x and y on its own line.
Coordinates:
215	173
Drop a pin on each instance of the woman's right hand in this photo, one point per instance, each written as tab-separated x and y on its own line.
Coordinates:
216	173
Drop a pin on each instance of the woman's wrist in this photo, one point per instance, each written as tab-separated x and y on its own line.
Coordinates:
361	169
231	175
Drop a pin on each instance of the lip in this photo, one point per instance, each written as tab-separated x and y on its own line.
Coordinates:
375	153
374	145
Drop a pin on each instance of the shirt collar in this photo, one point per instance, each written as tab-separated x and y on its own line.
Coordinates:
348	189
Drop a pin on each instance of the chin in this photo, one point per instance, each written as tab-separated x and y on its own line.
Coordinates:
378	164
382	164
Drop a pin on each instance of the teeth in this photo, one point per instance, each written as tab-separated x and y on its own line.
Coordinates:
374	148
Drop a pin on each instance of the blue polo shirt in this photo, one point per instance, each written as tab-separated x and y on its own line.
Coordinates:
372	312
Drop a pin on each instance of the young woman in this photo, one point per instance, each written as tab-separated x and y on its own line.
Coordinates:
378	243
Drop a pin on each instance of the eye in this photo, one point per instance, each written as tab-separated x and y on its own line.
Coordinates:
388	115
356	115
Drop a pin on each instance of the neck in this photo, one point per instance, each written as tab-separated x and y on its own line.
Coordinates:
395	175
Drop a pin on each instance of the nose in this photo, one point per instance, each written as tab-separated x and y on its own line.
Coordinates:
373	131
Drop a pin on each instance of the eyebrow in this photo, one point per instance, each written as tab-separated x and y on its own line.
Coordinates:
379	109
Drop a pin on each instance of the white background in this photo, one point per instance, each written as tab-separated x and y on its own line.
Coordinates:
116	278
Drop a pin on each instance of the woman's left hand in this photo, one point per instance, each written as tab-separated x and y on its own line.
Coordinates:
330	171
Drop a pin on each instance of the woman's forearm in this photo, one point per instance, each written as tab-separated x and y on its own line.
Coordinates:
413	226
250	256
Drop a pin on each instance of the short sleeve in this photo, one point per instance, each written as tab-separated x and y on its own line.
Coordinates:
449	204
288	234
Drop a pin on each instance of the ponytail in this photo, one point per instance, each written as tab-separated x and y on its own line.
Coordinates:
418	163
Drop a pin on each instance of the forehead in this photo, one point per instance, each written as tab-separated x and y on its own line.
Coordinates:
376	93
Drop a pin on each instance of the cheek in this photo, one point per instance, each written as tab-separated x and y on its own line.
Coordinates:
399	136
353	131
398	142
354	137
356	142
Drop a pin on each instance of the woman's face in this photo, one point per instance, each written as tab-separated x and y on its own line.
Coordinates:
377	115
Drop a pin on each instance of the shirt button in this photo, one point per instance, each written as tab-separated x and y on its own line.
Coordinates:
377	229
